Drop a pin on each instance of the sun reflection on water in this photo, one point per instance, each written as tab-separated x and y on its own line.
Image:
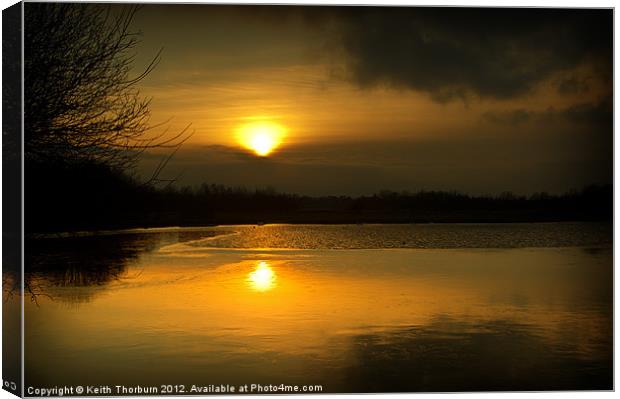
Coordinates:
263	278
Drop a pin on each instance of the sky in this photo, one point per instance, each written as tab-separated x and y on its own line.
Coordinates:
377	98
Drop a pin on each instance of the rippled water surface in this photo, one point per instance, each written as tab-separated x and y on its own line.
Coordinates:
513	235
354	308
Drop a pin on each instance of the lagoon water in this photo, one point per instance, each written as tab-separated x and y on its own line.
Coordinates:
353	308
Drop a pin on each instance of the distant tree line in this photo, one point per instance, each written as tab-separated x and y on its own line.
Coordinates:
97	197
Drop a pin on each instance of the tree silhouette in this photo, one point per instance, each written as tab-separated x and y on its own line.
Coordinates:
81	104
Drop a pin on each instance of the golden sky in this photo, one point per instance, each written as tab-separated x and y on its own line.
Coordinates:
381	98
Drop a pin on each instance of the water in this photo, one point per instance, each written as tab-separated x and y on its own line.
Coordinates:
353	308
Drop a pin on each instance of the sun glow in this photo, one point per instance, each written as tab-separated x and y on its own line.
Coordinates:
263	278
261	137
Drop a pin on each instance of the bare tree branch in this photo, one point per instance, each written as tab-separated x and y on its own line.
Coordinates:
80	101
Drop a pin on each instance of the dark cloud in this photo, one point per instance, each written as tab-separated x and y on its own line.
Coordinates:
590	114
453	52
449	53
573	85
511	118
492	164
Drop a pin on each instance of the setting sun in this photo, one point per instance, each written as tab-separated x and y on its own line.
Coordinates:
261	137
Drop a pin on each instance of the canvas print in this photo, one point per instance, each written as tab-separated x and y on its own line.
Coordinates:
268	199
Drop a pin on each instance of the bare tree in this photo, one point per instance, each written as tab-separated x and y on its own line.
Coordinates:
80	101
